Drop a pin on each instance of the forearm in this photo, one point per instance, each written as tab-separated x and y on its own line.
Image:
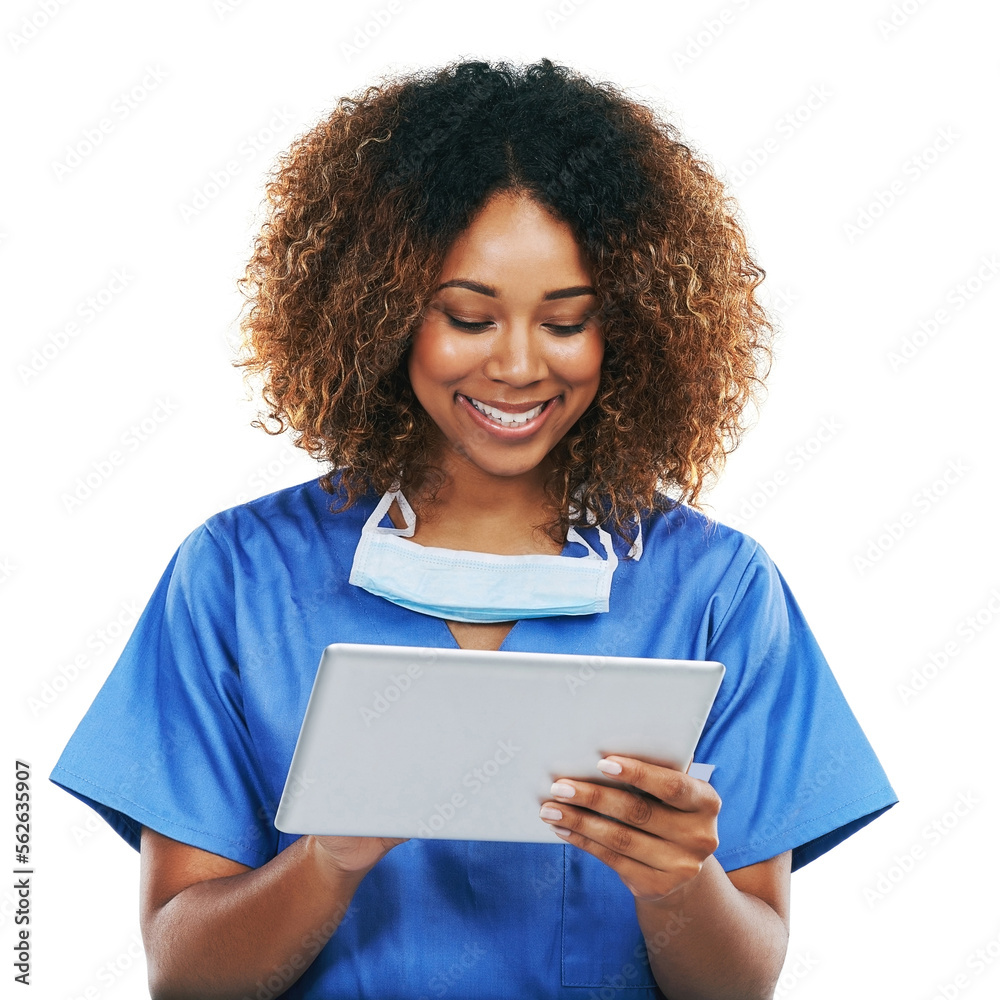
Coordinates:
710	941
223	938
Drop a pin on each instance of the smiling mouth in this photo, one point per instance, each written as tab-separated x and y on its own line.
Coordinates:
505	419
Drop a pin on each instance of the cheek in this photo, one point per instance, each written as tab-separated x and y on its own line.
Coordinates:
437	357
581	364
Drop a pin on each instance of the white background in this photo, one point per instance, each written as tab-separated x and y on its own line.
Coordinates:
886	576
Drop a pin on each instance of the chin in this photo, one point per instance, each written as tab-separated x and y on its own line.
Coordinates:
501	469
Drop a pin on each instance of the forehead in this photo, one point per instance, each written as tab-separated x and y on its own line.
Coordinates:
513	236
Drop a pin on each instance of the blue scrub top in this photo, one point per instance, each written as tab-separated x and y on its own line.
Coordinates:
193	732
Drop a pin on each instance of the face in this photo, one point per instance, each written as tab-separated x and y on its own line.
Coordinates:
508	355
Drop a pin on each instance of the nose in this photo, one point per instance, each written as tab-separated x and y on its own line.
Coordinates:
516	357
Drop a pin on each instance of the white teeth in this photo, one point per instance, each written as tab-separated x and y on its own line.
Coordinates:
504	418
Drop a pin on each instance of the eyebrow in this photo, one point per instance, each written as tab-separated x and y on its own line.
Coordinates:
478	286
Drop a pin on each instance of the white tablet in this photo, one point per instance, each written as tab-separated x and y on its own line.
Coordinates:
462	744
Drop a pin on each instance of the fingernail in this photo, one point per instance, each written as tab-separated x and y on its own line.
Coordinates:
547	812
562	831
562	791
609	766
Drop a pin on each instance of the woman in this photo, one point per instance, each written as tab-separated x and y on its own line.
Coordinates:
513	301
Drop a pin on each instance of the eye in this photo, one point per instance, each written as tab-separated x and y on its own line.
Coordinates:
565	331
568	329
470	327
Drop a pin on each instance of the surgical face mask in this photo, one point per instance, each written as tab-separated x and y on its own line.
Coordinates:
479	586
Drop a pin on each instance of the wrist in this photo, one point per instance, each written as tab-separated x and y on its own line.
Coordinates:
680	895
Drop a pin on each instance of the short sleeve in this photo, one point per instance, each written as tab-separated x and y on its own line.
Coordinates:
793	768
165	743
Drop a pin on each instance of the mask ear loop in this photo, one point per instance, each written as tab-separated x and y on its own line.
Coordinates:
635	552
409	518
382	507
574	536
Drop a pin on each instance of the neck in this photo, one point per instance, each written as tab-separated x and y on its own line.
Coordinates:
483	513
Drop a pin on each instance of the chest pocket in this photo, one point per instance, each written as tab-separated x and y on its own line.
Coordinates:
602	945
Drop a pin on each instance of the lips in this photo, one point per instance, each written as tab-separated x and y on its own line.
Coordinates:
504	417
507	420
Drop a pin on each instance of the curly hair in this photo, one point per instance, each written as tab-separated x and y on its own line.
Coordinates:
362	210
